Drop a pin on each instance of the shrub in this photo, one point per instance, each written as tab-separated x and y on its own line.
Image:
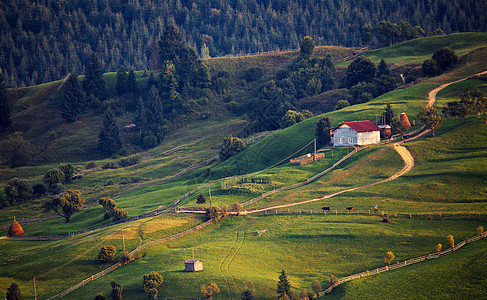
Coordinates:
316	286
106	254
129	161
100	296
438	248
333	280
450	241
110	165
40	189
445	58
91	165
237	208
53	176
341	104
116	290
56	189
253	74
152	282
480	230
430	68
126	258
389	257
67	170
201	199
18	191
212	213
210	290
230	147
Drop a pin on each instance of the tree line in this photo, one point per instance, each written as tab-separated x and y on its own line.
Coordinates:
44	40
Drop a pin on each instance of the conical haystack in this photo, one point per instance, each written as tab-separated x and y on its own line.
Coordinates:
15	229
404	120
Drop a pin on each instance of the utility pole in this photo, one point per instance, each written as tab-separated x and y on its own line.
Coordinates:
209	192
314	155
35	290
123	240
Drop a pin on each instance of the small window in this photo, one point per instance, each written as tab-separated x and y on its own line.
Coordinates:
350	140
340	140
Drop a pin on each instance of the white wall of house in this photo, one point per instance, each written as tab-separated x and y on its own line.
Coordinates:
368	138
346	136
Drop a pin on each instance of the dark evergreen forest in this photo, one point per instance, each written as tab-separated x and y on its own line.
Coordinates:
43	40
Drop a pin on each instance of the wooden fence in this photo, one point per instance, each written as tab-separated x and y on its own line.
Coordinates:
132	253
300	184
402	264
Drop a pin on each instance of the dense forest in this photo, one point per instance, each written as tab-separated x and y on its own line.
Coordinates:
43	40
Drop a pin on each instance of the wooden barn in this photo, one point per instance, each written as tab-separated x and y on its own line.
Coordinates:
357	133
193	265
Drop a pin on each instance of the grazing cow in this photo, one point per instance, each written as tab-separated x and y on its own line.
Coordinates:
325	208
349	209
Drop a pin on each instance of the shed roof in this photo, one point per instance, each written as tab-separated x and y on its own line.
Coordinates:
362	126
192	261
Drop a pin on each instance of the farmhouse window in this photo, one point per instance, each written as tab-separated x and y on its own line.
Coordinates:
350	140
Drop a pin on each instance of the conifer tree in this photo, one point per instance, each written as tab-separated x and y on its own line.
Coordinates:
74	99
283	286
154	110
121	81
94	83
131	82
13	292
4	106
109	139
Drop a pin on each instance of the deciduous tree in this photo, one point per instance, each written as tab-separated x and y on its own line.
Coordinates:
389	257
307	47
322	131
430	118
480	230
152	282
438	248
231	146
450	240
65	204
399	126
361	69
316	286
106	253
18	191
210	290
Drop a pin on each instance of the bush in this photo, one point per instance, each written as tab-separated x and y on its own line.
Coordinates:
341	104
430	68
230	147
152	282
253	74
67	170
40	189
53	176
91	165
56	189
129	161
445	58
126	258
201	199
110	165
106	254
18	191
212	213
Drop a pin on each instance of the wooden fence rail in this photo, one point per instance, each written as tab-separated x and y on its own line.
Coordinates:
402	264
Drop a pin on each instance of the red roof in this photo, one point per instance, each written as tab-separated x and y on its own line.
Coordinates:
362	126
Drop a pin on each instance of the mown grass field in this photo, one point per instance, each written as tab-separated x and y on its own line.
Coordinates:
448	178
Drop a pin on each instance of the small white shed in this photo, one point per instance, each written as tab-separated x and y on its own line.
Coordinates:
357	133
193	265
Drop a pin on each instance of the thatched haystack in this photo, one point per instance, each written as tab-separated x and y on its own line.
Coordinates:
15	229
404	120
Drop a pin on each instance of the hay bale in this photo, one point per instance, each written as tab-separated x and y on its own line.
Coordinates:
404	120
15	229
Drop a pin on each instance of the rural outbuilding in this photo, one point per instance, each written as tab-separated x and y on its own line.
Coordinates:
357	133
193	265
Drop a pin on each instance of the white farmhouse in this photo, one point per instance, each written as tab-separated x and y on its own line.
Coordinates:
357	133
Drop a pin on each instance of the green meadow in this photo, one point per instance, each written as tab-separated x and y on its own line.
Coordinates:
445	193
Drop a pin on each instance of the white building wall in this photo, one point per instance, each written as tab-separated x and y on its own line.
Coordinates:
368	138
344	136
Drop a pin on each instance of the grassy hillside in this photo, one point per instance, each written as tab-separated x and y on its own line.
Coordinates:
445	193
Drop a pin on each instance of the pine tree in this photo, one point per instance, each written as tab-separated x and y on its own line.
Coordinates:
4	106
388	115
383	69
283	286
131	82
322	131
13	292
73	100
154	108
94	83
121	85
109	139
